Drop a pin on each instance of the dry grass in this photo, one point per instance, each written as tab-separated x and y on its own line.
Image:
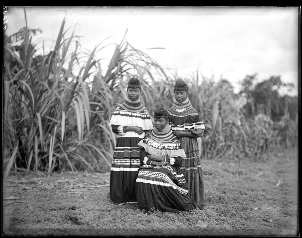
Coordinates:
253	199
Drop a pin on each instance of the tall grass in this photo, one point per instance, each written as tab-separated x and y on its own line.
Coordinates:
57	119
228	134
54	119
48	111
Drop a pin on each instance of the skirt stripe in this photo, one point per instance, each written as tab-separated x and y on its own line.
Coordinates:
160	183
126	161
124	169
192	169
158	178
124	164
156	190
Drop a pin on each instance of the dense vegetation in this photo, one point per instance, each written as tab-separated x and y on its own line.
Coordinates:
57	106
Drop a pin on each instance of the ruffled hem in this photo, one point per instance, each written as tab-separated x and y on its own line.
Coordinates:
122	185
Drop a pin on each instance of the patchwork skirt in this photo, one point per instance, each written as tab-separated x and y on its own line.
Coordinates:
157	189
191	168
125	165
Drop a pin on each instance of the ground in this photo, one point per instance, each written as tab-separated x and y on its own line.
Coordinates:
253	198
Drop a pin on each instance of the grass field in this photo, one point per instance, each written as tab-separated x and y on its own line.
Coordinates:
255	198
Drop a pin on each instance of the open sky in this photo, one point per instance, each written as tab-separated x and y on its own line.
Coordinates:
228	42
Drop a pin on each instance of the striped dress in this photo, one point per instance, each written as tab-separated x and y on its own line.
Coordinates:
184	117
162	188
126	157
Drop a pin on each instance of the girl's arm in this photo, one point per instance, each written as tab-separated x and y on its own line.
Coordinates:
121	130
147	159
194	133
136	129
159	161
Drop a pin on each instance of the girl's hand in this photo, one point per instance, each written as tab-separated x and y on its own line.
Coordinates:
138	130
141	131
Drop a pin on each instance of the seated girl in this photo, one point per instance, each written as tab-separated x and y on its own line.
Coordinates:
159	185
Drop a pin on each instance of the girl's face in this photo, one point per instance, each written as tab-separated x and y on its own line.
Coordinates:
180	96
160	123
133	93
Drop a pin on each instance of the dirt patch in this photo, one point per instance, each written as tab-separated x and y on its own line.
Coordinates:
250	199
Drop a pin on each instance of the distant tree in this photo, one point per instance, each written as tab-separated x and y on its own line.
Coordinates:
265	98
267	95
291	105
247	89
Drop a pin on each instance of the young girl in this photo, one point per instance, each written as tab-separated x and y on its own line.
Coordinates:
159	185
187	127
129	121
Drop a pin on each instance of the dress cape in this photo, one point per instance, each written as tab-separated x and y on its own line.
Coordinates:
161	144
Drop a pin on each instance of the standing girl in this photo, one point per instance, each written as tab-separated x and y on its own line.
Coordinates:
187	126
129	121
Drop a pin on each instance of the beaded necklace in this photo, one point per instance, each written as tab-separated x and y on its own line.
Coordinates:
183	106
